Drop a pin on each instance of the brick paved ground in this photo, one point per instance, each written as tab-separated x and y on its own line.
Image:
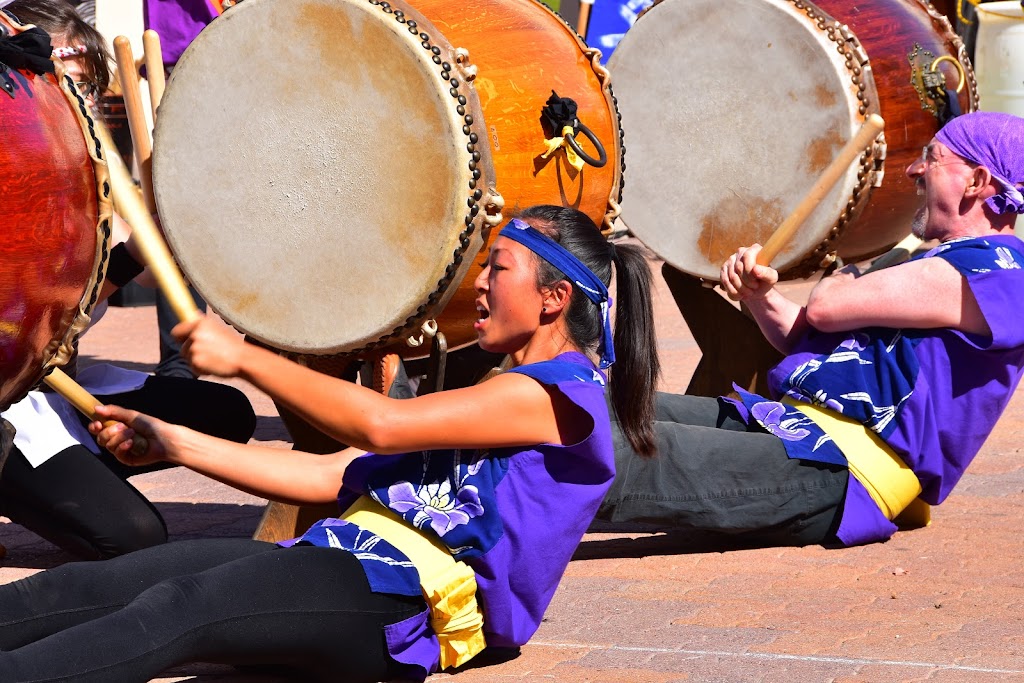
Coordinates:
941	604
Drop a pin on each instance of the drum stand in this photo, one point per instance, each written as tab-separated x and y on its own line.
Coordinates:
281	521
733	348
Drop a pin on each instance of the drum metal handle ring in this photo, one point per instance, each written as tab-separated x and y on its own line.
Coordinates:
959	70
602	155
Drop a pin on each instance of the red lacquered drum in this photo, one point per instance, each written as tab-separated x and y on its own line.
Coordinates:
54	223
327	170
733	110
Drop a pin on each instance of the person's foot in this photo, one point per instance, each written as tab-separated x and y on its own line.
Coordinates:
387	376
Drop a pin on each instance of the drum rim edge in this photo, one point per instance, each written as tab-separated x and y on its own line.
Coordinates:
872	163
482	200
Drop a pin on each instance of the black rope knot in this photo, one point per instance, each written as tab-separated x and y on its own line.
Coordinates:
29	50
558	113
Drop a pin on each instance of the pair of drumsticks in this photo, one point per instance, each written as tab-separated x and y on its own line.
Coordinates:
136	211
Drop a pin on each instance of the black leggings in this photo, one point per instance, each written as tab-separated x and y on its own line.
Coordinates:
229	601
81	502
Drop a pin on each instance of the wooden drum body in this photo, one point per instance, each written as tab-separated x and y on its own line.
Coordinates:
525	51
329	193
54	223
735	108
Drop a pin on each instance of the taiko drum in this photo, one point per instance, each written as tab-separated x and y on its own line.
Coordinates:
54	224
734	109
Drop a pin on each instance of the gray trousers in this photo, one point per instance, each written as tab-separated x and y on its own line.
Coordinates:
718	477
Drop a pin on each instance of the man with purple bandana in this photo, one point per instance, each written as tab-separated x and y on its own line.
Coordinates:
891	383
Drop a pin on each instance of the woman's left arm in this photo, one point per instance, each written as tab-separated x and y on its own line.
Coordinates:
511	409
283	475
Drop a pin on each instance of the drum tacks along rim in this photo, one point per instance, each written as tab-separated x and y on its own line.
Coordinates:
373	148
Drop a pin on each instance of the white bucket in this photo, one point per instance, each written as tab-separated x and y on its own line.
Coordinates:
999	61
999	56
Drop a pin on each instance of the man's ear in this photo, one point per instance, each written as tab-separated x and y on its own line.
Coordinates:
979	182
556	297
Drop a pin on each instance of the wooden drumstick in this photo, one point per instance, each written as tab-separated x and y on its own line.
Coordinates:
897	255
115	165
584	19
153	247
86	403
154	58
136	117
151	243
847	155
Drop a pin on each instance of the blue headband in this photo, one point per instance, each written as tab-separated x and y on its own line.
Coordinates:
575	270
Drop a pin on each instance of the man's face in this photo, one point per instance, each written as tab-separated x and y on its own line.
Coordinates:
941	178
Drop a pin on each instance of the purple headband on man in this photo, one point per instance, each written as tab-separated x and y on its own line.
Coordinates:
995	141
575	270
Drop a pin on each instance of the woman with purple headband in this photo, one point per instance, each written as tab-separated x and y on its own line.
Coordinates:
458	511
891	381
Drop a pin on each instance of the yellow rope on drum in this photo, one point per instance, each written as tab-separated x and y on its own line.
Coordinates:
570	154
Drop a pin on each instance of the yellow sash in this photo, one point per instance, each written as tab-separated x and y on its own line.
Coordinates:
449	586
887	478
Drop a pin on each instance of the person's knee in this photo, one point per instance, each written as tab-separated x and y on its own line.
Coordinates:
131	533
236	416
243	423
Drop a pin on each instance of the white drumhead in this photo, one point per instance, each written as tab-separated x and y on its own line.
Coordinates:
310	171
731	110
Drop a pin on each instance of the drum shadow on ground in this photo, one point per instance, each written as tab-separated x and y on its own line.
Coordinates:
222	673
185	521
634	540
271	428
85	361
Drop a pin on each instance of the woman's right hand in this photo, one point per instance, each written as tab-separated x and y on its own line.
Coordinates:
211	347
117	429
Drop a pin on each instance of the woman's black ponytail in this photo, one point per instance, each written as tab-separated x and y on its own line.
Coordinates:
634	375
